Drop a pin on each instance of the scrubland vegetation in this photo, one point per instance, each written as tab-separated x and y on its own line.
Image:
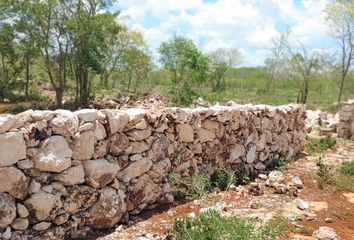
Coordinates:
65	53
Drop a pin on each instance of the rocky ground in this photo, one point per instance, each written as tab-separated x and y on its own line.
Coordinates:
293	193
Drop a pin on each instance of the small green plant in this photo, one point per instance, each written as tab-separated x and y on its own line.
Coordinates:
320	145
337	178
222	178
211	225
347	168
277	164
242	178
192	187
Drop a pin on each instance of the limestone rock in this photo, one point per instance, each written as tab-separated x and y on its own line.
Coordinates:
101	171
117	120
42	226
25	164
86	127
139	147
14	182
54	155
119	142
22	210
84	146
87	115
7	234
275	177
205	135
61	219
301	204
101	149
20	224
34	187
12	148
7	210
71	176
297	182
251	155
134	170
145	191
109	209
99	132
185	133
139	135
6	122
79	198
325	233
236	152
65	123
43	205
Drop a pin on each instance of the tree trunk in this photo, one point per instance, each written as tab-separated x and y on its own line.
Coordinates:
59	97
341	88
27	76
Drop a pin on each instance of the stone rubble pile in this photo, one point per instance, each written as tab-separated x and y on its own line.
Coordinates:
66	172
346	120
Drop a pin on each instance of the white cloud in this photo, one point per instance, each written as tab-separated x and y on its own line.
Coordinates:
246	25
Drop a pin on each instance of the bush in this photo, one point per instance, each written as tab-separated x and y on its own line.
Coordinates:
347	168
211	225
222	178
320	145
192	187
277	164
242	178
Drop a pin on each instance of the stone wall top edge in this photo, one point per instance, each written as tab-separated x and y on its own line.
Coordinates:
216	108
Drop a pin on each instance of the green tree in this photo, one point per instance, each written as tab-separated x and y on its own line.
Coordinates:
187	64
340	19
222	60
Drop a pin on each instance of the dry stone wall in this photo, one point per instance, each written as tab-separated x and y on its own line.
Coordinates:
63	171
346	120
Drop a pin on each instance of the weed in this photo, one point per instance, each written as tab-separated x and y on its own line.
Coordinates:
242	178
193	187
277	164
337	178
211	225
222	178
347	168
320	145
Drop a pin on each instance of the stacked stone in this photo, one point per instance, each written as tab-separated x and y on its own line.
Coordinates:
346	120
63	171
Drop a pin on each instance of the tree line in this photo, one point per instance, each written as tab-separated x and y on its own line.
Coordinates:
78	44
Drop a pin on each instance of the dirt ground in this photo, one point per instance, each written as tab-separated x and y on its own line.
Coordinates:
338	206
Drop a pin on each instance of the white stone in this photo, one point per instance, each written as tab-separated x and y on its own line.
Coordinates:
7	210
20	224
34	187
84	146
135	169
87	115
71	176
99	132
301	204
54	155
22	210
117	120
86	127
251	155
297	182
325	233
139	135
43	204
275	177
42	226
14	182
236	152
12	148
25	164
101	171
65	123
6	122
7	234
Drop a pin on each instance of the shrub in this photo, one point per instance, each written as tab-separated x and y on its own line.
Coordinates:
277	164
320	145
242	178
222	178
347	168
211	225
193	187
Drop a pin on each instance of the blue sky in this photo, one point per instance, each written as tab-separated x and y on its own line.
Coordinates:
248	26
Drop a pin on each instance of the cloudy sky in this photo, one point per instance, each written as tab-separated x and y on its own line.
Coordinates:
246	25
